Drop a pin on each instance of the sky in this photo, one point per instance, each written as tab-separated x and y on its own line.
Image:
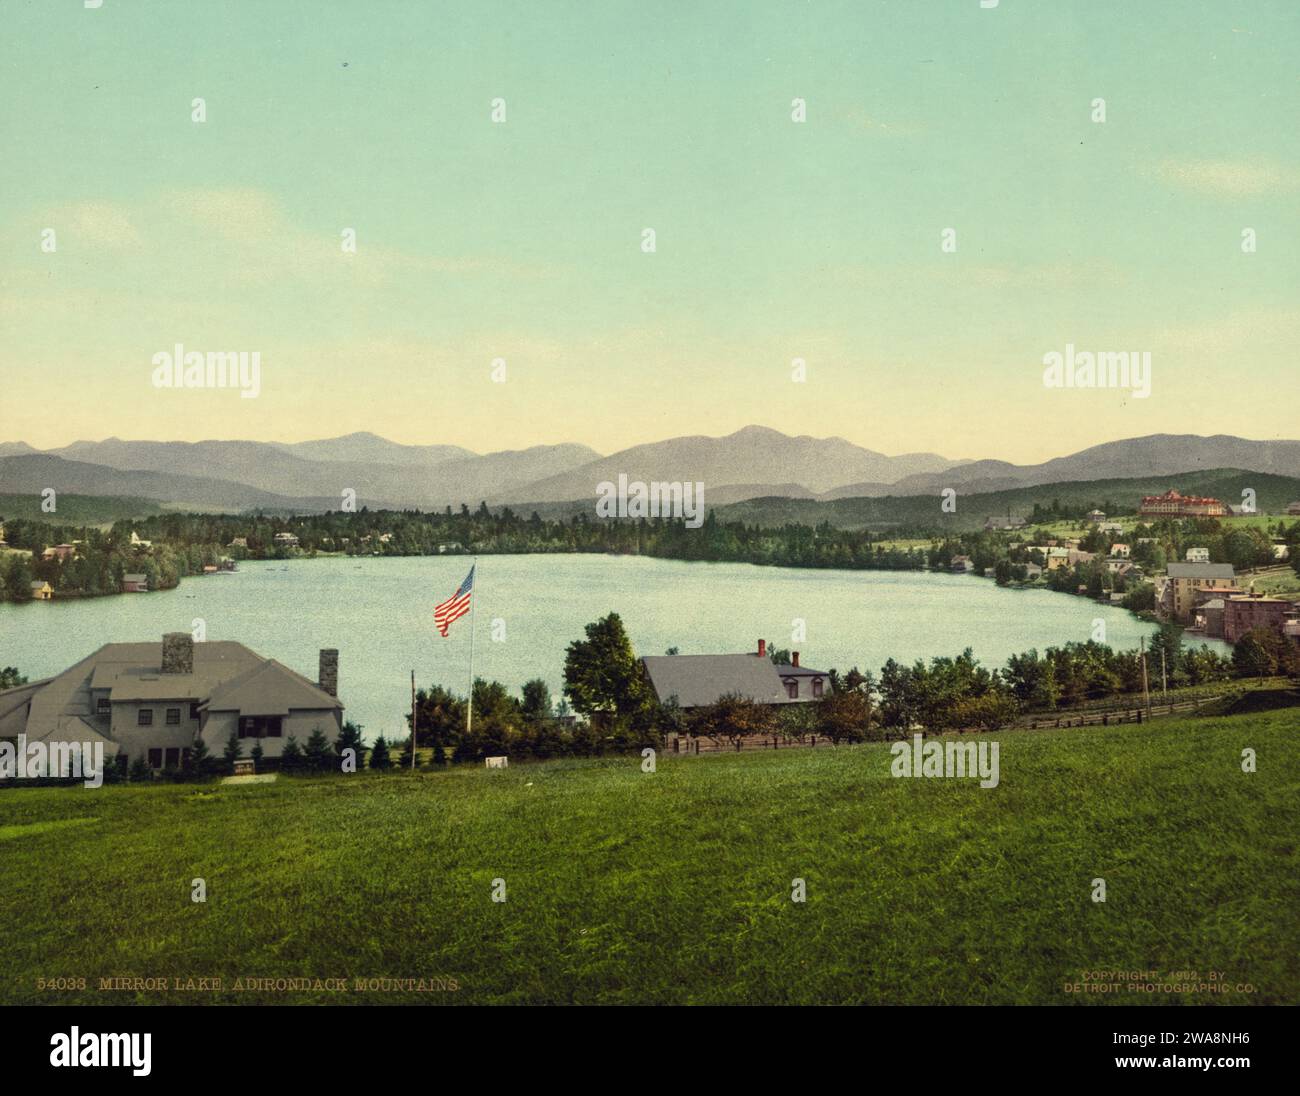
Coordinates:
774	240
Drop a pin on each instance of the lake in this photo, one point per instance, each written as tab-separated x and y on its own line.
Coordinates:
379	613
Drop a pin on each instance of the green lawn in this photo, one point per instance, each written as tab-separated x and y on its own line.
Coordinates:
675	886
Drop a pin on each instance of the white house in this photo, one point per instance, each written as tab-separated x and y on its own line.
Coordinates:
155	701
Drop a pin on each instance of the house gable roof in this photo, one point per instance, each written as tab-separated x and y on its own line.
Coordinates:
270	688
697	680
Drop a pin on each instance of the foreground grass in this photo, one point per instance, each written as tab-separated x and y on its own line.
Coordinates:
675	886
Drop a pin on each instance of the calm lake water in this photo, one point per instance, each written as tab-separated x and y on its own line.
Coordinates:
379	614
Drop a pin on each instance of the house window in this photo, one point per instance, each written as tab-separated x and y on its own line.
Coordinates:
792	690
155	759
173	757
817	687
144	718
194	709
260	726
173	717
102	705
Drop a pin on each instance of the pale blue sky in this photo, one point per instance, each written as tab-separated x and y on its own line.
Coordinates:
775	240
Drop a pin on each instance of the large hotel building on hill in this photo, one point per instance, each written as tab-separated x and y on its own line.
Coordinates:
1173	505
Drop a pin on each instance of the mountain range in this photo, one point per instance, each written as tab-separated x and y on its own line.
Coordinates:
755	462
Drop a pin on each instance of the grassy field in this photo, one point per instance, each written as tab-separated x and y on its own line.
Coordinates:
1275	581
675	886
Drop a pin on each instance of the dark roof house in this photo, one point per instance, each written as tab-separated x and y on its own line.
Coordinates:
699	680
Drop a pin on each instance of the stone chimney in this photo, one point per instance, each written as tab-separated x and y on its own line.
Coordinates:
794	658
177	653
762	648
328	677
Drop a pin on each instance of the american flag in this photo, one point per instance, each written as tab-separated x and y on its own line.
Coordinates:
455	606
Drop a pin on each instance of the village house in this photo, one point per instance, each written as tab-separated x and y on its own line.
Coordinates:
1245	612
1110	527
59	552
1174	505
286	540
1095	516
1120	551
42	591
238	542
961	565
1123	567
1007	522
1293	509
135	583
1198	555
696	681
157	700
136	542
1176	598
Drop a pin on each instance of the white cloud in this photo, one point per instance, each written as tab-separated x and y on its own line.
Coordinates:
1228	178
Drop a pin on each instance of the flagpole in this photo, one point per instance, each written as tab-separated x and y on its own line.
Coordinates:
473	611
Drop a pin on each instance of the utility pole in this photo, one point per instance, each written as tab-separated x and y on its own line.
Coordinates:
1164	677
412	721
1146	692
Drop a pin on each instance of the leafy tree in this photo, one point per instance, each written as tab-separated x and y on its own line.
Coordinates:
795	721
10	678
440	715
18	579
1032	680
843	716
601	673
987	713
733	717
536	700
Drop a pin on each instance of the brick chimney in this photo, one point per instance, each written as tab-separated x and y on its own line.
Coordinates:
177	653
794	658
762	648
328	677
